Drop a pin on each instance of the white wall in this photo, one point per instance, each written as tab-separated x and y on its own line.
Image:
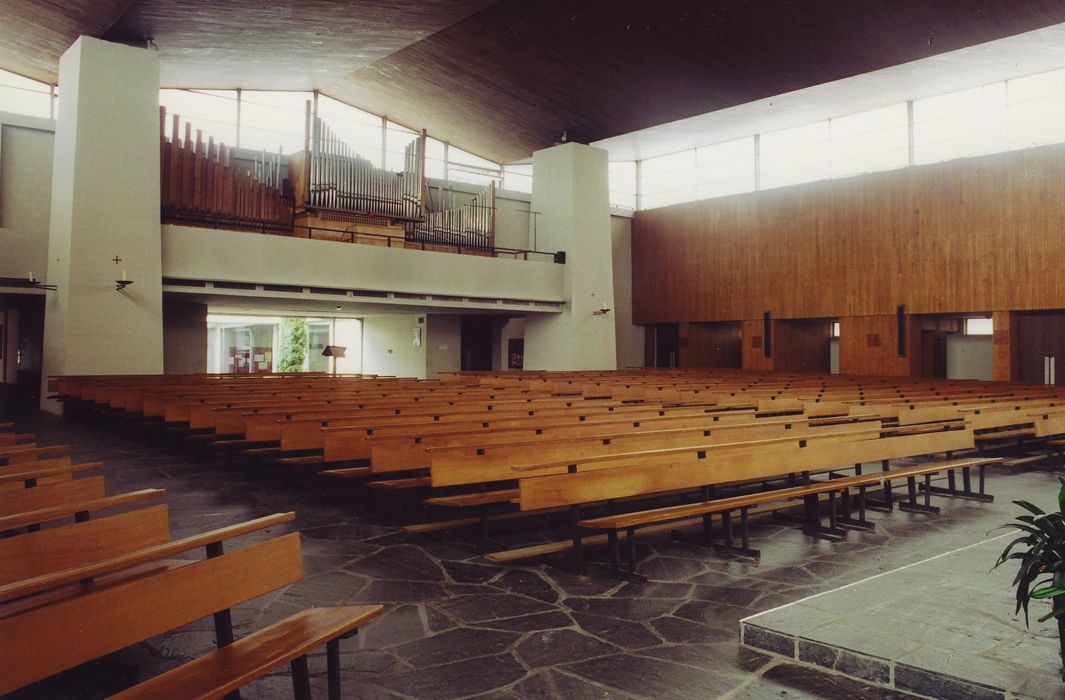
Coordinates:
570	187
25	194
105	203
387	346
969	357
443	344
348	334
235	256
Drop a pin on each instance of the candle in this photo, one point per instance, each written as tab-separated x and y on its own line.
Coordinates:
30	278
124	275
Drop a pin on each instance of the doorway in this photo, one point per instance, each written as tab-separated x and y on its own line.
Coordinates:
661	346
1041	347
21	350
477	334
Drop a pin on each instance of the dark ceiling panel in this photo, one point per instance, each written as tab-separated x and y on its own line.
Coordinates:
503	79
34	34
510	79
287	45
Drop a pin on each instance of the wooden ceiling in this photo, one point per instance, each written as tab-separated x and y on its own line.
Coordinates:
505	78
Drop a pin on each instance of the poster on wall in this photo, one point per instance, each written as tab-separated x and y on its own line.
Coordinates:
516	353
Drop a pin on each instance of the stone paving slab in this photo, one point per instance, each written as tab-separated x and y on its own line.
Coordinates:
942	627
459	626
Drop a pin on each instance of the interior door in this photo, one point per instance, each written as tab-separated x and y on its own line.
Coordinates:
1041	347
667	345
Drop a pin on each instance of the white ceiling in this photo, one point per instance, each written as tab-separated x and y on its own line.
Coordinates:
1024	54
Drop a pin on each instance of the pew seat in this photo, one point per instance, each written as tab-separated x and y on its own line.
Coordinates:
227	669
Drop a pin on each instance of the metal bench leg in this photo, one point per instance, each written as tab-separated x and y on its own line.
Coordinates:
911	505
729	546
813	526
578	548
332	653
630	549
859	523
886	504
612	540
301	679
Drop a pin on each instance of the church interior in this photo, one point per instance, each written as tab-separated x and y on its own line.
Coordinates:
504	349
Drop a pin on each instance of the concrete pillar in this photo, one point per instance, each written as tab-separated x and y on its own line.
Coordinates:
571	194
105	204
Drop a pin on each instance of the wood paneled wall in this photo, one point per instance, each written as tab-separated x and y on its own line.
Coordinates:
710	345
870	345
1004	359
972	235
753	335
801	346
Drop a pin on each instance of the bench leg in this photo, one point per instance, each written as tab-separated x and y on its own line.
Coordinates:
859	523
615	557
578	548
887	503
301	679
965	491
332	655
630	549
729	546
812	522
911	505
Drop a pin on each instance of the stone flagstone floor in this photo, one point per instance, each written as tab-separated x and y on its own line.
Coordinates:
457	626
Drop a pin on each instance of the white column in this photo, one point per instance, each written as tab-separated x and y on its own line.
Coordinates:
105	204
570	190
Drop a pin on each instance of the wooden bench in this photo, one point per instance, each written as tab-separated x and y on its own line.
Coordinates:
812	518
13	454
85	612
83	541
597	481
32	490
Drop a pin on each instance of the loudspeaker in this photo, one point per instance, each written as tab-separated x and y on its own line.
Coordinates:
560	257
901	319
767	333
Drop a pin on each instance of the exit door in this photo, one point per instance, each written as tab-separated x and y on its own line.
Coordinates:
662	345
1040	347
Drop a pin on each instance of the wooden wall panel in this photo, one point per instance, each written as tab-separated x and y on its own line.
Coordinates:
973	235
711	345
1004	364
754	346
801	346
870	345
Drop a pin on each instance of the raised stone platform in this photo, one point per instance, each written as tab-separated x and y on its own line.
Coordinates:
942	628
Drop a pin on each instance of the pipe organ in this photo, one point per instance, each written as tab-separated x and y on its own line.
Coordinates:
342	180
470	225
203	183
327	191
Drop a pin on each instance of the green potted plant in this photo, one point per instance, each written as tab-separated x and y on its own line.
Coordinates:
1041	553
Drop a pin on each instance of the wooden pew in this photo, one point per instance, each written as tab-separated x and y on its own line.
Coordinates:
83	541
594	481
14	454
85	612
20	493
